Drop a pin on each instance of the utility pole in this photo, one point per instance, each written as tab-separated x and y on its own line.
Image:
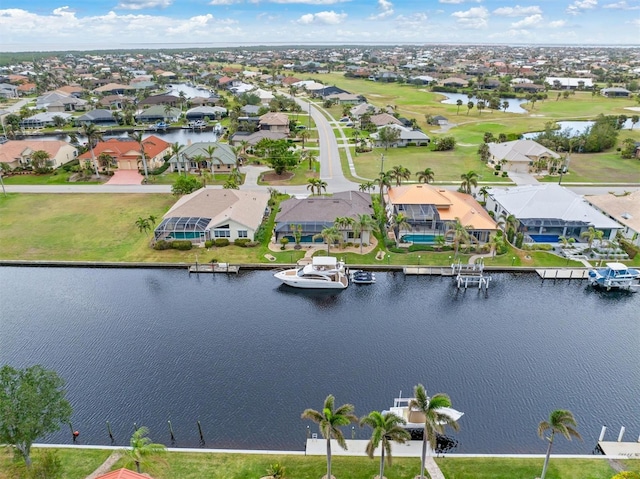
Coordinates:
2	184
382	163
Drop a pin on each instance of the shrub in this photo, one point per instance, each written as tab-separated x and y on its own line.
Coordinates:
161	169
260	233
242	242
505	174
221	242
162	245
519	239
208	243
421	247
252	244
395	249
181	245
629	248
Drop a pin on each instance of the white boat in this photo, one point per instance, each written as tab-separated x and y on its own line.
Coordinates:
324	272
413	417
614	276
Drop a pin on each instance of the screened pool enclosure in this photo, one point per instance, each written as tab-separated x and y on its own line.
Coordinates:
192	228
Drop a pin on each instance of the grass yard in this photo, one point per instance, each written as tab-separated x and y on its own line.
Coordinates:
58	178
77	464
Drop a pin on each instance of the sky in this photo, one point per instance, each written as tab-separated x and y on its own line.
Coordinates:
45	25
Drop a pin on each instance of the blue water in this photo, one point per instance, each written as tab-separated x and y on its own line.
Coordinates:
246	355
544	238
420	239
452	98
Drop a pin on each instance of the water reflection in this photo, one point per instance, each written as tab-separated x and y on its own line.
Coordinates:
514	103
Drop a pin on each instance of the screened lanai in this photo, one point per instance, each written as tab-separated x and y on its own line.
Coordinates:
193	228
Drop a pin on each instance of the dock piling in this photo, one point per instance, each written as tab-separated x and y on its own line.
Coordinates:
622	429
201	435
602	431
110	433
173	438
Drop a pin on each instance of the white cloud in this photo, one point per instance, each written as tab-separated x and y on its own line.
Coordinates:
636	22
476	17
557	24
621	6
457	2
517	11
386	10
311	2
510	34
142	4
327	18
224	2
530	21
580	5
415	20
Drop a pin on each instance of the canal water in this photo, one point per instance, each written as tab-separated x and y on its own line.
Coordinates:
452	98
245	355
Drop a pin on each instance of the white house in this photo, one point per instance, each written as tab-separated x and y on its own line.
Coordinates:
624	209
518	156
407	137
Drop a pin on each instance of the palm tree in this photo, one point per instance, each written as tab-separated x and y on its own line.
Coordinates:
343	223
384	181
304	135
591	235
387	428
484	192
560	421
330	421
321	185
363	223
328	235
210	150
142	449
400	222
175	151
137	137
366	186
425	176
93	137
105	159
434	419
459	104
469	181
459	234
312	183
400	173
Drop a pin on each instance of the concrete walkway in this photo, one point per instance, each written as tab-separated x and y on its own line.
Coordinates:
106	465
432	468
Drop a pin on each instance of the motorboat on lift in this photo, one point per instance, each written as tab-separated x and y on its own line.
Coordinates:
615	276
414	418
360	276
324	272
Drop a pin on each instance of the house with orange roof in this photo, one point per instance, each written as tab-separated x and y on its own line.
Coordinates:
17	153
126	152
27	88
431	211
124	474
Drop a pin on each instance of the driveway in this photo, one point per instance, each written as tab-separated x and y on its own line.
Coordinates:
125	177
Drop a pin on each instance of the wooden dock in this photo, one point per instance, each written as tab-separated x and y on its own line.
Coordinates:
563	273
214	268
426	270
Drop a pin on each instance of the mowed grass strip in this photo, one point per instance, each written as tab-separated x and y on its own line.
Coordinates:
77	464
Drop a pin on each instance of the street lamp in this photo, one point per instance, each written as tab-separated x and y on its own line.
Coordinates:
513	261
419	260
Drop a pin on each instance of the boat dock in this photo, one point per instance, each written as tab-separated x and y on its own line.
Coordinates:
563	273
214	268
618	448
470	275
426	270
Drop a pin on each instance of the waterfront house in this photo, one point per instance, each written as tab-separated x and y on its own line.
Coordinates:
624	209
44	119
432	211
195	158
125	152
99	116
315	213
158	113
153	100
615	92
17	153
202	112
209	214
519	156
407	137
547	211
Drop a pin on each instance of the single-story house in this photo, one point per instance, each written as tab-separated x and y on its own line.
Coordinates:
44	119
208	214
99	116
8	90
547	211
518	156
58	101
318	212
455	82
407	137
432	211
195	157
383	119
153	100
345	98
250	110
200	112
615	92
362	109
528	87
114	89
264	95
624	209
569	83
255	137
275	121
126	152
17	153
159	113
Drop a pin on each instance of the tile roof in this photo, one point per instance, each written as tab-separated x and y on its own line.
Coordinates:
123	474
520	151
125	148
450	204
324	208
13	149
624	209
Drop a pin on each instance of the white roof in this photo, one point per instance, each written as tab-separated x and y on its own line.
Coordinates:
617	266
325	261
522	151
550	201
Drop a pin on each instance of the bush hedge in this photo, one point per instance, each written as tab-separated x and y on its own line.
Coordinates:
242	242
182	245
162	245
221	242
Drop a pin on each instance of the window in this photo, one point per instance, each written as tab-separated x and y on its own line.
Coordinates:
221	233
351	235
242	234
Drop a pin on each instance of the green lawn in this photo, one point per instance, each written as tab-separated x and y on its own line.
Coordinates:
57	178
78	463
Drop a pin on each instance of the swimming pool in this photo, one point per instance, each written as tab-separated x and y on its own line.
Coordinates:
544	238
416	238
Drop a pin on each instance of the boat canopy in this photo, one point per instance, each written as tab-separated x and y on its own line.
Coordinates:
617	266
325	261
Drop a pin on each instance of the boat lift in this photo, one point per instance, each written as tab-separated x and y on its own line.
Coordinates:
470	274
